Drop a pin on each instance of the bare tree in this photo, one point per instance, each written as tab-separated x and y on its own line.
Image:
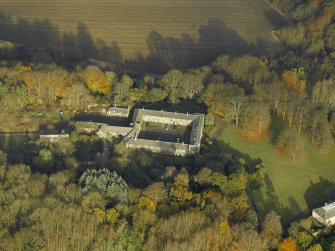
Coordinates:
289	145
235	102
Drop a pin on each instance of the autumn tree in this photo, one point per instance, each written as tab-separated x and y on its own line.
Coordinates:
294	80
304	239
272	229
154	95
192	86
122	90
172	82
315	247
235	102
156	191
255	118
97	81
289	145
77	97
324	95
288	244
213	97
318	130
180	189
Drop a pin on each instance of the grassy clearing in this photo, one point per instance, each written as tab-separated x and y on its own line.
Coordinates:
129	22
290	188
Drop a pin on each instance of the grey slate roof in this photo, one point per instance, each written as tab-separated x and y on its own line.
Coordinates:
175	115
118	110
326	212
115	129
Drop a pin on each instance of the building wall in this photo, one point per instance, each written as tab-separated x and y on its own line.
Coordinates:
317	217
55	136
164	120
328	222
118	114
163	147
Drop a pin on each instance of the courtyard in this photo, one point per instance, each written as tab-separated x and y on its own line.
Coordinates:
165	132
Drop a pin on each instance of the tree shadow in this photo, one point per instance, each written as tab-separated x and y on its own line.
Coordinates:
268	200
72	48
276	20
236	158
66	48
316	194
215	39
276	127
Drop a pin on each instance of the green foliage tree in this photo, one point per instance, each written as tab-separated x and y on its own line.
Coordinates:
104	180
304	239
192	86
172	82
45	159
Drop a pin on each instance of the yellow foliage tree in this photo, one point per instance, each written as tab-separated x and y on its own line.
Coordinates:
293	80
224	227
213	97
315	247
96	80
146	203
288	244
180	189
112	215
99	214
25	69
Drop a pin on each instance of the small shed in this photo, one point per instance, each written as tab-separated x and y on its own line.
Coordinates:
118	112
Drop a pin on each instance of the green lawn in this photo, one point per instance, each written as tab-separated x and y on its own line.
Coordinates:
128	22
290	188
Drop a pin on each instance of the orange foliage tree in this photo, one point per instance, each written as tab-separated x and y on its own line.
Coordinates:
319	24
294	80
213	97
288	244
96	80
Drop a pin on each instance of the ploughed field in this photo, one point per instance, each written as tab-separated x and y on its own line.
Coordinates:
129	22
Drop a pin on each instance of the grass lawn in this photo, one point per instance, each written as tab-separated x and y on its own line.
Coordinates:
129	22
290	187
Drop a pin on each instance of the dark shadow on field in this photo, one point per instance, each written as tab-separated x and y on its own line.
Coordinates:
315	196
236	158
276	127
319	193
41	41
264	199
215	38
276	20
267	200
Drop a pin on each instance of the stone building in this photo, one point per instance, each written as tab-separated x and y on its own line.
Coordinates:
133	137
118	112
196	121
325	214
